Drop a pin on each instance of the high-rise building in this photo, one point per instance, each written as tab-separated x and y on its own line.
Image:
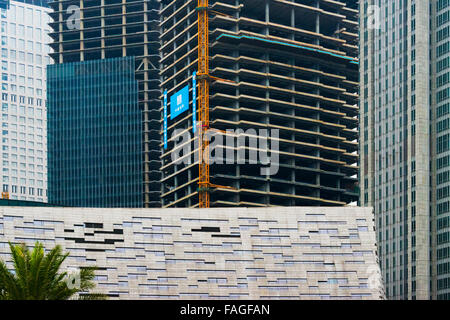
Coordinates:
404	142
103	104
286	66
95	134
25	55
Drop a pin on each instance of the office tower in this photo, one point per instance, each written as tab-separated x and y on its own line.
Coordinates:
24	37
286	65
404	141
104	104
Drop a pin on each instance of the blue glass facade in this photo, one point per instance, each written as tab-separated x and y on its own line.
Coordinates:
41	3
4	4
94	134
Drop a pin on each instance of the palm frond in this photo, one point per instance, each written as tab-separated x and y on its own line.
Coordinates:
37	276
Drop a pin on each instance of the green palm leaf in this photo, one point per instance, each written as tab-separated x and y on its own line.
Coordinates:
37	276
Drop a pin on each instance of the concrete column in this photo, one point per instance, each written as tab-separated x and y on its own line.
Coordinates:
292	22
124	29
81	30
61	28
317	41
103	29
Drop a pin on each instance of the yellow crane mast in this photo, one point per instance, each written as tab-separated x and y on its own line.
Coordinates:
203	94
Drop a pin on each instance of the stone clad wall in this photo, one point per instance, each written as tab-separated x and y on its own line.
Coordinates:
264	253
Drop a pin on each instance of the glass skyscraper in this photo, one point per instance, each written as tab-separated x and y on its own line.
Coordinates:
104	101
24	56
95	134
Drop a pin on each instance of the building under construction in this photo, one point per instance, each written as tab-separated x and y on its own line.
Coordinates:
104	103
273	64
